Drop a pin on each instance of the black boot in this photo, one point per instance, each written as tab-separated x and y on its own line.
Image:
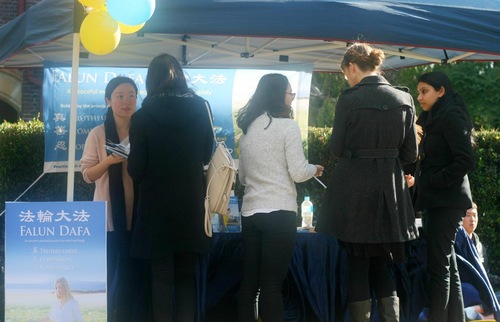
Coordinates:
388	308
360	311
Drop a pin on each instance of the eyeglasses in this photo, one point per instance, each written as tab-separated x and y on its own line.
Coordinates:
292	94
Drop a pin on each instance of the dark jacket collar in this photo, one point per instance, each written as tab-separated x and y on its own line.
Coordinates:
368	80
374	79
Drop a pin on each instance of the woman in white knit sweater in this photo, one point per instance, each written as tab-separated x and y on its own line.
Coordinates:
271	161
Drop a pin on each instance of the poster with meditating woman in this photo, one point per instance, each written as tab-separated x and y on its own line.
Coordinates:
55	261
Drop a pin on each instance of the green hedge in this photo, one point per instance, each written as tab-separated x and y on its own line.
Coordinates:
318	152
485	185
21	151
21	163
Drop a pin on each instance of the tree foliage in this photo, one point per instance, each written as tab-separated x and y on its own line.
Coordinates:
477	82
324	98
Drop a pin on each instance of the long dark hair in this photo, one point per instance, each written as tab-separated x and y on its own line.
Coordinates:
269	97
112	85
117	81
165	74
440	79
437	80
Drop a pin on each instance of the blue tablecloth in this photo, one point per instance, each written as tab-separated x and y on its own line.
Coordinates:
311	290
315	287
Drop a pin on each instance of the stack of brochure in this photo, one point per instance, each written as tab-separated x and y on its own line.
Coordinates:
233	216
231	222
120	149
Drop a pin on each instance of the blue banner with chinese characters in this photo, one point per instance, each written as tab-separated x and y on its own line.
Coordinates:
227	91
91	109
55	251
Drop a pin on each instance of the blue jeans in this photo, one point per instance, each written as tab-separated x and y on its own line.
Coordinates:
268	241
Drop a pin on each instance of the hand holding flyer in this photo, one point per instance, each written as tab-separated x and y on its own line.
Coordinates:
120	149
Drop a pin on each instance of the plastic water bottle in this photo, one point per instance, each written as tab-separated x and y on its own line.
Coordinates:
307	213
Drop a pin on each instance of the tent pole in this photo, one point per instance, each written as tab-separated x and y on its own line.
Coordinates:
73	113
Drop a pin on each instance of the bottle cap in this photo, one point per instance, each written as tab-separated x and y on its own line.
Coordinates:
306	198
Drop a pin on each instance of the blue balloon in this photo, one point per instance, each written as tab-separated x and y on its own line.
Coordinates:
131	12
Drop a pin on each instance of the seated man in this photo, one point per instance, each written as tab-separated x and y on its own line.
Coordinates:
479	298
470	224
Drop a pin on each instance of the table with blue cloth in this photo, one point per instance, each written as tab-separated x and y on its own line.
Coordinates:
315	286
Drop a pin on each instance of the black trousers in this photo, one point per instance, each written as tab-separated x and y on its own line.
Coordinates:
268	241
119	268
445	294
367	274
174	287
128	282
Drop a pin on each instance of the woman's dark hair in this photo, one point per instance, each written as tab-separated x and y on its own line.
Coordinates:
437	80
440	79
165	74
269	97
366	57
117	81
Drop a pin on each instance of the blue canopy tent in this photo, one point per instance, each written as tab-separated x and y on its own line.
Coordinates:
255	34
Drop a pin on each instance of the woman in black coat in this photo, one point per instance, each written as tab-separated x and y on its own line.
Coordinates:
442	191
367	205
170	141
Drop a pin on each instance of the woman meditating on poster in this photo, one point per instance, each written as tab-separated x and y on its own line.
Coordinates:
65	308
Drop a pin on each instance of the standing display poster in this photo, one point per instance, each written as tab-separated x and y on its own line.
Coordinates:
227	90
55	252
233	216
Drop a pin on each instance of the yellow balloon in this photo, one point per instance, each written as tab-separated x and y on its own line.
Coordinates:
127	29
100	33
93	3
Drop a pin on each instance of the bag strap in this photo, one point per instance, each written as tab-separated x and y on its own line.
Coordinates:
218	145
208	218
211	120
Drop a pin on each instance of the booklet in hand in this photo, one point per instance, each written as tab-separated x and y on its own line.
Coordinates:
120	149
